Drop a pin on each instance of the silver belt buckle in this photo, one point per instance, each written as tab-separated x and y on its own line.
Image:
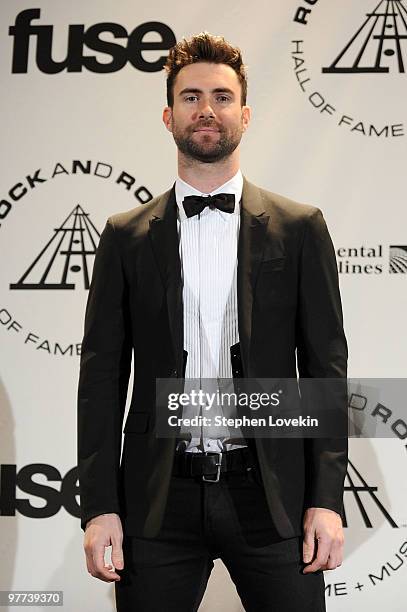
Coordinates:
218	466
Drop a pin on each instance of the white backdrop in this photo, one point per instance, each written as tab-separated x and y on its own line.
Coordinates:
335	139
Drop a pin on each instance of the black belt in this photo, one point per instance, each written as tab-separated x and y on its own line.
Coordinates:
211	464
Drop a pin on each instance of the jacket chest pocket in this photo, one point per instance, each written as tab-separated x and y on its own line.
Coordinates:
275	284
275	264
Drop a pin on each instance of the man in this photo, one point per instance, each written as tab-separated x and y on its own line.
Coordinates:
240	284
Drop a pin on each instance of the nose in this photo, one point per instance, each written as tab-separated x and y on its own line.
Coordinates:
205	110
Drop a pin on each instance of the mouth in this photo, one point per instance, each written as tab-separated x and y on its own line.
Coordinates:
206	129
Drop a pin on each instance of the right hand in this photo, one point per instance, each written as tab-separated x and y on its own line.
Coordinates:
103	531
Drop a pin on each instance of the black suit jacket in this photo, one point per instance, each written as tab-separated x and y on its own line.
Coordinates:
288	307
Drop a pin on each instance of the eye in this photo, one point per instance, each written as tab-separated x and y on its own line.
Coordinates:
223	98
191	98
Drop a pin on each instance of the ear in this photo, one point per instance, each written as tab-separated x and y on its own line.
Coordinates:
246	116
167	118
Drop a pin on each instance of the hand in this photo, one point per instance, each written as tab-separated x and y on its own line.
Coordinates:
323	540
102	531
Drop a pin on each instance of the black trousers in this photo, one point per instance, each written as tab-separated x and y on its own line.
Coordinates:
203	521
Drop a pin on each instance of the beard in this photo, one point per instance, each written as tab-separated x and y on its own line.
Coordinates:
207	150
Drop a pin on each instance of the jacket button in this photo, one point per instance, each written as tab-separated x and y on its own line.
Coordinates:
174	373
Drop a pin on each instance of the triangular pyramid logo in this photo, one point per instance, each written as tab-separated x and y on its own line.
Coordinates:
65	255
355	484
382	35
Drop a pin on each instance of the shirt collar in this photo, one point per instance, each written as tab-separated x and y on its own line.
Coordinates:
233	185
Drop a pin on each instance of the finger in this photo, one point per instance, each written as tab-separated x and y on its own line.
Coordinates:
89	562
117	554
99	564
321	559
336	554
334	560
315	566
308	546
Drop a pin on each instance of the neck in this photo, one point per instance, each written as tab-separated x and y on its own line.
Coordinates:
207	177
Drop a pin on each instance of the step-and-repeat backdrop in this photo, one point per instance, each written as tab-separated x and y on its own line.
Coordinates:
82	92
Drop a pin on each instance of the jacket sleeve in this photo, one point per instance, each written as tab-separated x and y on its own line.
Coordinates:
103	381
322	353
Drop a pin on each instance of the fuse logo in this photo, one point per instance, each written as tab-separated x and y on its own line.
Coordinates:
135	49
53	498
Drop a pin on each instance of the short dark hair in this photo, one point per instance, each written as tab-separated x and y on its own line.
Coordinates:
204	47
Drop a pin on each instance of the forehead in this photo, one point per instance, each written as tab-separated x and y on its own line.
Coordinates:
205	75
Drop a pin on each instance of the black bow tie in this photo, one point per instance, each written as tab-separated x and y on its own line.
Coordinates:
193	205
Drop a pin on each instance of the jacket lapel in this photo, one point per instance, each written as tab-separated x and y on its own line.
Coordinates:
253	224
164	241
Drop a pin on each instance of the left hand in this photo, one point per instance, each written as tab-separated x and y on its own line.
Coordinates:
323	540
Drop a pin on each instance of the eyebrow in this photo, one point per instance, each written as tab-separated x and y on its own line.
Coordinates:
197	90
